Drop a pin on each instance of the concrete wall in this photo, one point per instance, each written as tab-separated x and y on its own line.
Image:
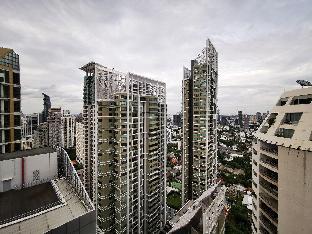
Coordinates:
294	191
11	170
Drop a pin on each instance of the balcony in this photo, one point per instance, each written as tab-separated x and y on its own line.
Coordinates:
268	174
269	148
269	188
267	224
268	213
272	163
270	201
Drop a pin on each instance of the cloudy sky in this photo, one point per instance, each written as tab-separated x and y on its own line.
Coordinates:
264	46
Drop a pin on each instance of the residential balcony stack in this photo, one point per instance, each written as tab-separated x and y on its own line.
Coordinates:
124	119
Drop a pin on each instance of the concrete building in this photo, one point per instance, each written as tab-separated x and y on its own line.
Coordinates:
30	124
199	148
41	136
10	102
80	142
47	194
125	149
282	167
55	127
206	214
68	123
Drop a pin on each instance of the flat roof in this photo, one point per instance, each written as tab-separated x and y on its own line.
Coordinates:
26	153
15	203
71	208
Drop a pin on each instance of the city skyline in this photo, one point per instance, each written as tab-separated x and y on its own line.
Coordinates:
260	53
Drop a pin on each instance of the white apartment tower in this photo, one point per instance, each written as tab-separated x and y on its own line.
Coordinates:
124	118
282	167
199	100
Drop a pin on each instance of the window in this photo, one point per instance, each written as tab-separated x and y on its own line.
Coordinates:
292	118
283	132
282	101
303	99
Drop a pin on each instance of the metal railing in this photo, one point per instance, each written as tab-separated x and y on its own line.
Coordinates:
67	170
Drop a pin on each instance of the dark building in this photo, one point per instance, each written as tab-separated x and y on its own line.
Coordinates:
46	107
177	120
240	118
10	101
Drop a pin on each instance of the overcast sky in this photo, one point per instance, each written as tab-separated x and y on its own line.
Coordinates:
263	46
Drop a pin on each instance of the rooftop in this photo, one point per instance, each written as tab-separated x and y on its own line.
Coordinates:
26	153
15	203
55	215
289	123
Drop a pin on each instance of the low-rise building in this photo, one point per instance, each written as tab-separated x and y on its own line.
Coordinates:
47	194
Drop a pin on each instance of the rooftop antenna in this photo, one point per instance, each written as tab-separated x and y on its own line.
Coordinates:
303	83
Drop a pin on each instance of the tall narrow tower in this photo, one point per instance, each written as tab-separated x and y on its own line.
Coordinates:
199	159
10	101
124	120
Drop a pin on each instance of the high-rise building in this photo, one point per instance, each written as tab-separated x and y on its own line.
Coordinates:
41	136
199	99
125	149
46	107
80	142
40	192
240	119
55	127
282	167
68	123
10	101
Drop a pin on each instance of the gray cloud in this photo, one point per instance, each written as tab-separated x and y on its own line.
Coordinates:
263	46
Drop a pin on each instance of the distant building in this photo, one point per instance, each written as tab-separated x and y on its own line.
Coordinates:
259	117
47	194
41	136
30	124
282	167
177	119
10	102
55	127
68	123
46	107
240	119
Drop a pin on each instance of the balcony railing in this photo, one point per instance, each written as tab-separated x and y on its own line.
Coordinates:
67	170
269	200
272	189
269	212
269	161
268	224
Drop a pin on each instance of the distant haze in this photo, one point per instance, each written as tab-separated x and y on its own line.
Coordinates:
263	46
